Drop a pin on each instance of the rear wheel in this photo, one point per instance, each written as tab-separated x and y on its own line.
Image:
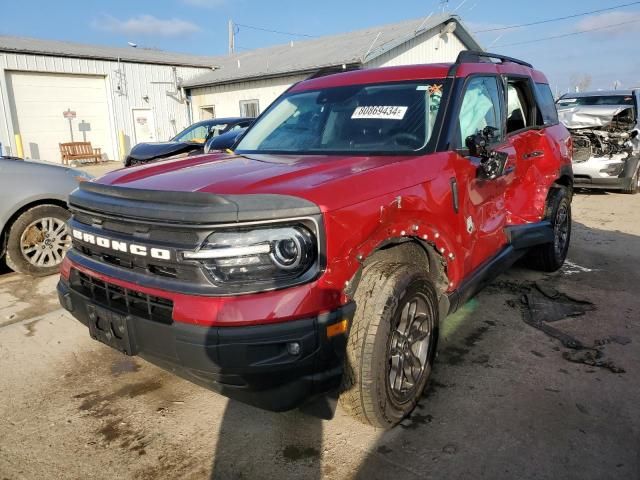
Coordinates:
392	343
38	240
549	257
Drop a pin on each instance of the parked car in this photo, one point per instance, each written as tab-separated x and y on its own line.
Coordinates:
357	212
223	142
606	147
190	141
33	214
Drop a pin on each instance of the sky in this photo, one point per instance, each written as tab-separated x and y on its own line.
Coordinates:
599	58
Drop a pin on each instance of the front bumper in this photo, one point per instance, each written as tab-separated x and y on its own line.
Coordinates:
252	364
593	172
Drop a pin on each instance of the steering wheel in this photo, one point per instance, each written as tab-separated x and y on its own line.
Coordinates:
407	139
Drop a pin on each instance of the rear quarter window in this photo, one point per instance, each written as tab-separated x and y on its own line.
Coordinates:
546	105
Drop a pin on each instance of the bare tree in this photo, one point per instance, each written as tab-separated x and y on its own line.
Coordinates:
580	81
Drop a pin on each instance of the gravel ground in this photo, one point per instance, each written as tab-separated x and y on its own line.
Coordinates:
506	401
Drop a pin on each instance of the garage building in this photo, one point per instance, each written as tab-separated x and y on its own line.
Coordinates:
54	92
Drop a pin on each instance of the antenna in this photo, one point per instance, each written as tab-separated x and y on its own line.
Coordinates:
370	47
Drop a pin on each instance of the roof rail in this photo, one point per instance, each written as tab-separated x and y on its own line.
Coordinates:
473	56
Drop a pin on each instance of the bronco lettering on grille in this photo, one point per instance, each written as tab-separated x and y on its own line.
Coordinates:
119	246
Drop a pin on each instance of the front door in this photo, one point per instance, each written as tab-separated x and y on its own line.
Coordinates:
481	201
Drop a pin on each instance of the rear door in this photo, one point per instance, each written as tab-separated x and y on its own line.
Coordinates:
481	201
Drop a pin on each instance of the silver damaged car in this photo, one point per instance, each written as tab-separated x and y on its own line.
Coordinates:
33	214
606	143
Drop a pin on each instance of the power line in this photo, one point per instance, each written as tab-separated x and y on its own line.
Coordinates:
557	19
278	31
567	34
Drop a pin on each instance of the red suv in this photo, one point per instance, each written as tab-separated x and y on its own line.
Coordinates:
355	214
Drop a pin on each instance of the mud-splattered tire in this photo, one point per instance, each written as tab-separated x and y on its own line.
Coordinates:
392	340
38	240
551	256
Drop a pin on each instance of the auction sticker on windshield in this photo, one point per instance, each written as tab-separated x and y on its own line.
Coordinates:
380	112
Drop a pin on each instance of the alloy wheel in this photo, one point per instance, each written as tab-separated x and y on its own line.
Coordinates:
409	348
45	241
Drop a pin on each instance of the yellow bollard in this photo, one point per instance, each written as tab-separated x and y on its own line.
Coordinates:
19	148
122	144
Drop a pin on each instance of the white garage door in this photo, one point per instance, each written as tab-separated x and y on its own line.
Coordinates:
38	101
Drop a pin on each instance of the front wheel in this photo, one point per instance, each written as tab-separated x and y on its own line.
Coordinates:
549	257
38	240
392	343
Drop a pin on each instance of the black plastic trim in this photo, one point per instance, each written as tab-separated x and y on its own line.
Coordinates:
474	56
483	276
187	207
529	234
251	364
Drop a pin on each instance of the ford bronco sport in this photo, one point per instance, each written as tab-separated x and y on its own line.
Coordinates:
355	214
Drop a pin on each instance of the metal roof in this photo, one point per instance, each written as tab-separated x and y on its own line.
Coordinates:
599	93
353	48
78	50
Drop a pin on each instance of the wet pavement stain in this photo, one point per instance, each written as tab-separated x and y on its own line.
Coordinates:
475	336
384	450
31	328
415	421
294	453
593	357
124	365
542	304
453	355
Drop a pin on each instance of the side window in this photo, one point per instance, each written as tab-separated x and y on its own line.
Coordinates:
548	115
481	107
519	105
196	134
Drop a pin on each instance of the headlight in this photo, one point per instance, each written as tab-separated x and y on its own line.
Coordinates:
259	258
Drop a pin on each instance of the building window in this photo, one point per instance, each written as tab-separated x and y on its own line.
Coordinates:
207	112
249	108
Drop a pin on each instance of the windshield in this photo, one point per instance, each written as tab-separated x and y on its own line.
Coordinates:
596	100
367	119
200	132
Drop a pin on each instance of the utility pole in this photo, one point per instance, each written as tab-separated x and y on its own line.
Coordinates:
232	39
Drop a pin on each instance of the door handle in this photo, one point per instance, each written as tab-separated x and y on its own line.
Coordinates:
534	154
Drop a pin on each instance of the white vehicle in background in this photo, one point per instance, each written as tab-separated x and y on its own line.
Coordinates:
604	127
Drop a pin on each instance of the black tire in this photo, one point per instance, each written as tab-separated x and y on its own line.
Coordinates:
551	256
384	297
634	186
28	233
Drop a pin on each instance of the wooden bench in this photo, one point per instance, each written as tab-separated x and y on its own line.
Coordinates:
79	151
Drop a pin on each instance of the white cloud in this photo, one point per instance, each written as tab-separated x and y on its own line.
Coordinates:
631	22
205	3
147	25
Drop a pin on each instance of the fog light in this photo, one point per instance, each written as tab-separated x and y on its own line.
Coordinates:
613	169
293	348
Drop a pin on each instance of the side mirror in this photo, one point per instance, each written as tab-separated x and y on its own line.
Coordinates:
492	163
